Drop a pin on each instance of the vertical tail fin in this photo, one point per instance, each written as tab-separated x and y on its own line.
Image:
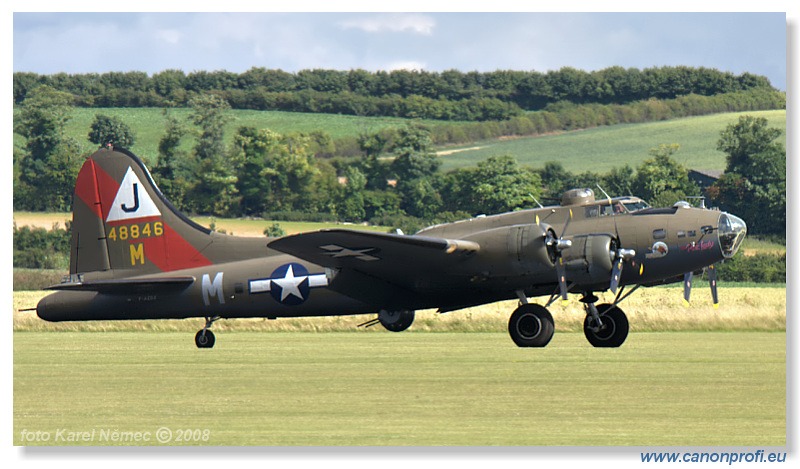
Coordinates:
122	222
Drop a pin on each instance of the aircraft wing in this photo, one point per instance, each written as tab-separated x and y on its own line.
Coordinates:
374	266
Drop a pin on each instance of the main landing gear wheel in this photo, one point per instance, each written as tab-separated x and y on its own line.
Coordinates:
531	326
612	332
396	321
204	337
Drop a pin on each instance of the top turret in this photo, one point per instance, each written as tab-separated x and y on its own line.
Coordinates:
577	197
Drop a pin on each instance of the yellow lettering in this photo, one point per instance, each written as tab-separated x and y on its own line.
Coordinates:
146	230
112	235
135	231
137	253
158	228
123	233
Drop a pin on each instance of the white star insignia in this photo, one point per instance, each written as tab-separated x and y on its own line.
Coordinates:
290	284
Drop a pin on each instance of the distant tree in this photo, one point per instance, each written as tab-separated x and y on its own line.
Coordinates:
373	145
414	157
274	231
175	168
754	184
661	180
209	113
496	185
420	198
350	203
414	165
619	181
274	170
51	161
215	192
555	179
107	130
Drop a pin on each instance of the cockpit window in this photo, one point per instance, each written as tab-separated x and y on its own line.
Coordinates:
636	206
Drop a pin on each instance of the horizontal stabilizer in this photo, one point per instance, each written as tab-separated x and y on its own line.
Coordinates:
127	285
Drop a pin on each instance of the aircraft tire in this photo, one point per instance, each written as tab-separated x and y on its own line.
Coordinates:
396	321
204	339
531	326
615	327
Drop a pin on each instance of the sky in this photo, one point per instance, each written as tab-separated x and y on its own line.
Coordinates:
49	43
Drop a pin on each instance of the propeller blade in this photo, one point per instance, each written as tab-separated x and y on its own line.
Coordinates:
561	271
566	225
616	274
712	280
621	256
687	287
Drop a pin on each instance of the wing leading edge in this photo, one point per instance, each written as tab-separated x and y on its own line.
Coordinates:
381	267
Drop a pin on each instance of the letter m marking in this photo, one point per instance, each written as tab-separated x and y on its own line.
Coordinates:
213	289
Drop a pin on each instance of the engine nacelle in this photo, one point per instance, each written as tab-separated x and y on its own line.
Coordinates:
590	259
513	250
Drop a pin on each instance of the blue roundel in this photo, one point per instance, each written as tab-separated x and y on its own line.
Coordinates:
290	284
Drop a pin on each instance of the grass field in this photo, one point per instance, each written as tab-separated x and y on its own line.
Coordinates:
603	148
725	389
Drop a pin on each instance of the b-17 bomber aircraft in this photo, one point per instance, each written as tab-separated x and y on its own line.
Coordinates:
134	256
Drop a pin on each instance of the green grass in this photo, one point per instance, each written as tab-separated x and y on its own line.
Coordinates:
658	389
603	148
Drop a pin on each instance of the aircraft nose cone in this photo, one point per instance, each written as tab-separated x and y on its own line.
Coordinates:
731	233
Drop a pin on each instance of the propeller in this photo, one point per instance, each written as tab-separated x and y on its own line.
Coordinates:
620	257
712	281
557	245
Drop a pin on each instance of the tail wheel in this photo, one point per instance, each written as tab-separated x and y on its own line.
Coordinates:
614	329
531	326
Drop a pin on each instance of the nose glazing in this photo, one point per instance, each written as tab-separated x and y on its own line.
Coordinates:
731	233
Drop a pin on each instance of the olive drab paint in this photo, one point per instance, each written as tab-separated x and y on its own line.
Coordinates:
134	256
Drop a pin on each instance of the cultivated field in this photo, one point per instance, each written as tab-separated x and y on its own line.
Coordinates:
703	389
603	148
148	124
598	149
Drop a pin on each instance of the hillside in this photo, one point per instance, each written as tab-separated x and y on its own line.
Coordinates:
598	149
148	124
602	148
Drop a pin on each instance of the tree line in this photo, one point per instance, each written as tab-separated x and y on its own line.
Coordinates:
448	95
395	179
